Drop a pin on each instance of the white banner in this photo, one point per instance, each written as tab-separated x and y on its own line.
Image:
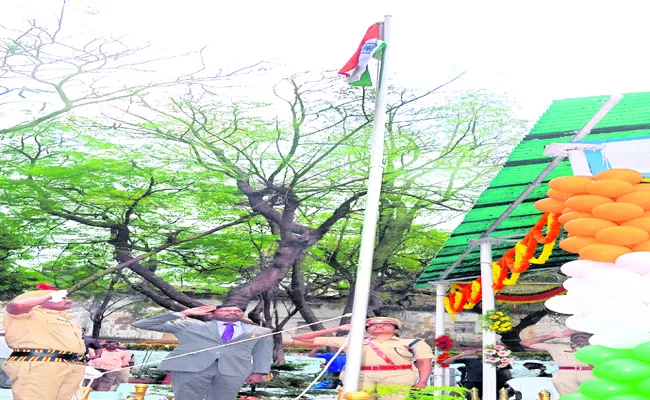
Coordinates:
631	153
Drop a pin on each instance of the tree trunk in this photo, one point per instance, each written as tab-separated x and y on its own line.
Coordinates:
278	350
512	340
349	303
121	238
98	316
297	295
268	279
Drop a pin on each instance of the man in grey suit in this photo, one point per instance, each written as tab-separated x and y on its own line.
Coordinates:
219	373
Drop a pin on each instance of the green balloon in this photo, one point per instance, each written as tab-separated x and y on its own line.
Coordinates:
629	396
643	387
642	352
576	396
596	354
604	388
623	370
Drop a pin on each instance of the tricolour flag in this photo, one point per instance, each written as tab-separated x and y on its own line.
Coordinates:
356	70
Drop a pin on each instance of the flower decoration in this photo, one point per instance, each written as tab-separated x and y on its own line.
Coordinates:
497	356
440	360
496	321
444	343
44	286
514	262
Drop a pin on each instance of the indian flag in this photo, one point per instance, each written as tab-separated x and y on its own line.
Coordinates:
356	70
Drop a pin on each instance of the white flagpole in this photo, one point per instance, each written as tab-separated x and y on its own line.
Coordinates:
366	252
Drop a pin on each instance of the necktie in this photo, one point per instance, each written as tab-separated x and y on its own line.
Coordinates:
228	332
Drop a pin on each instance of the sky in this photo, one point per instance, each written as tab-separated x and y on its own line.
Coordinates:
534	51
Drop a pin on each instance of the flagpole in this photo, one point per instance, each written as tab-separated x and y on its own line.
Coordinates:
366	252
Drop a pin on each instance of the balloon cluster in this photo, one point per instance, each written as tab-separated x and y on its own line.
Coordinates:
622	374
607	218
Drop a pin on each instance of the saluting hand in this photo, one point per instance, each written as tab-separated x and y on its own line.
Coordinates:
202	311
565	333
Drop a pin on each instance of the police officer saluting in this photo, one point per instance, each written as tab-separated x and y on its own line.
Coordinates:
47	362
387	359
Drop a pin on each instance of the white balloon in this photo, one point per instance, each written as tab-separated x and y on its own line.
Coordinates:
604	323
563	305
613	276
583	324
575	283
620	338
580	268
586	291
638	261
624	308
586	303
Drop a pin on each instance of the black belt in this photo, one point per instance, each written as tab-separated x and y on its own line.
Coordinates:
46	355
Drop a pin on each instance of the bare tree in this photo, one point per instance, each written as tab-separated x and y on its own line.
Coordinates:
44	74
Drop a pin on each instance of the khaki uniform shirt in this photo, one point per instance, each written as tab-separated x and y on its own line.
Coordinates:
41	328
563	354
395	348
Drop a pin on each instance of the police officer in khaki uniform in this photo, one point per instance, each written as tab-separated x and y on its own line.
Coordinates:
47	362
571	372
387	359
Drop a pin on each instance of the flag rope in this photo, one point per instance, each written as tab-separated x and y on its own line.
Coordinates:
90	382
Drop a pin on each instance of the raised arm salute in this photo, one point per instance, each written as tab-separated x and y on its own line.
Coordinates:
218	373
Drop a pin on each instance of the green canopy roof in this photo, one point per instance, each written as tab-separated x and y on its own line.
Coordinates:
559	124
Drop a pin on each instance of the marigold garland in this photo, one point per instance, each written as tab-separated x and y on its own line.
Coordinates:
515	261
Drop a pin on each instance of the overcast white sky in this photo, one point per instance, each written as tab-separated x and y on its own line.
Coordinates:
535	51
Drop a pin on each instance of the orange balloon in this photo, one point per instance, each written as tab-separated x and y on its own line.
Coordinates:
622	235
646	214
570	184
644	246
641	223
603	252
627	175
586	202
642	187
557	195
609	188
617	212
576	243
549	205
570	216
587	226
641	199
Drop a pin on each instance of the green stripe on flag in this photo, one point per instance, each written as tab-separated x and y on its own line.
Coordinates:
364	80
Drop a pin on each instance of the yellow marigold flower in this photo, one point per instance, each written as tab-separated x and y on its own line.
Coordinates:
493	317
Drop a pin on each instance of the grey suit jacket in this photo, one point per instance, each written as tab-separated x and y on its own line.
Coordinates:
237	359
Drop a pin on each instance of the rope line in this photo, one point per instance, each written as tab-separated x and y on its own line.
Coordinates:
233	343
345	343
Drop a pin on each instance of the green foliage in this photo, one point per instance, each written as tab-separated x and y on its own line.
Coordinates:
75	192
287	367
410	393
153	374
